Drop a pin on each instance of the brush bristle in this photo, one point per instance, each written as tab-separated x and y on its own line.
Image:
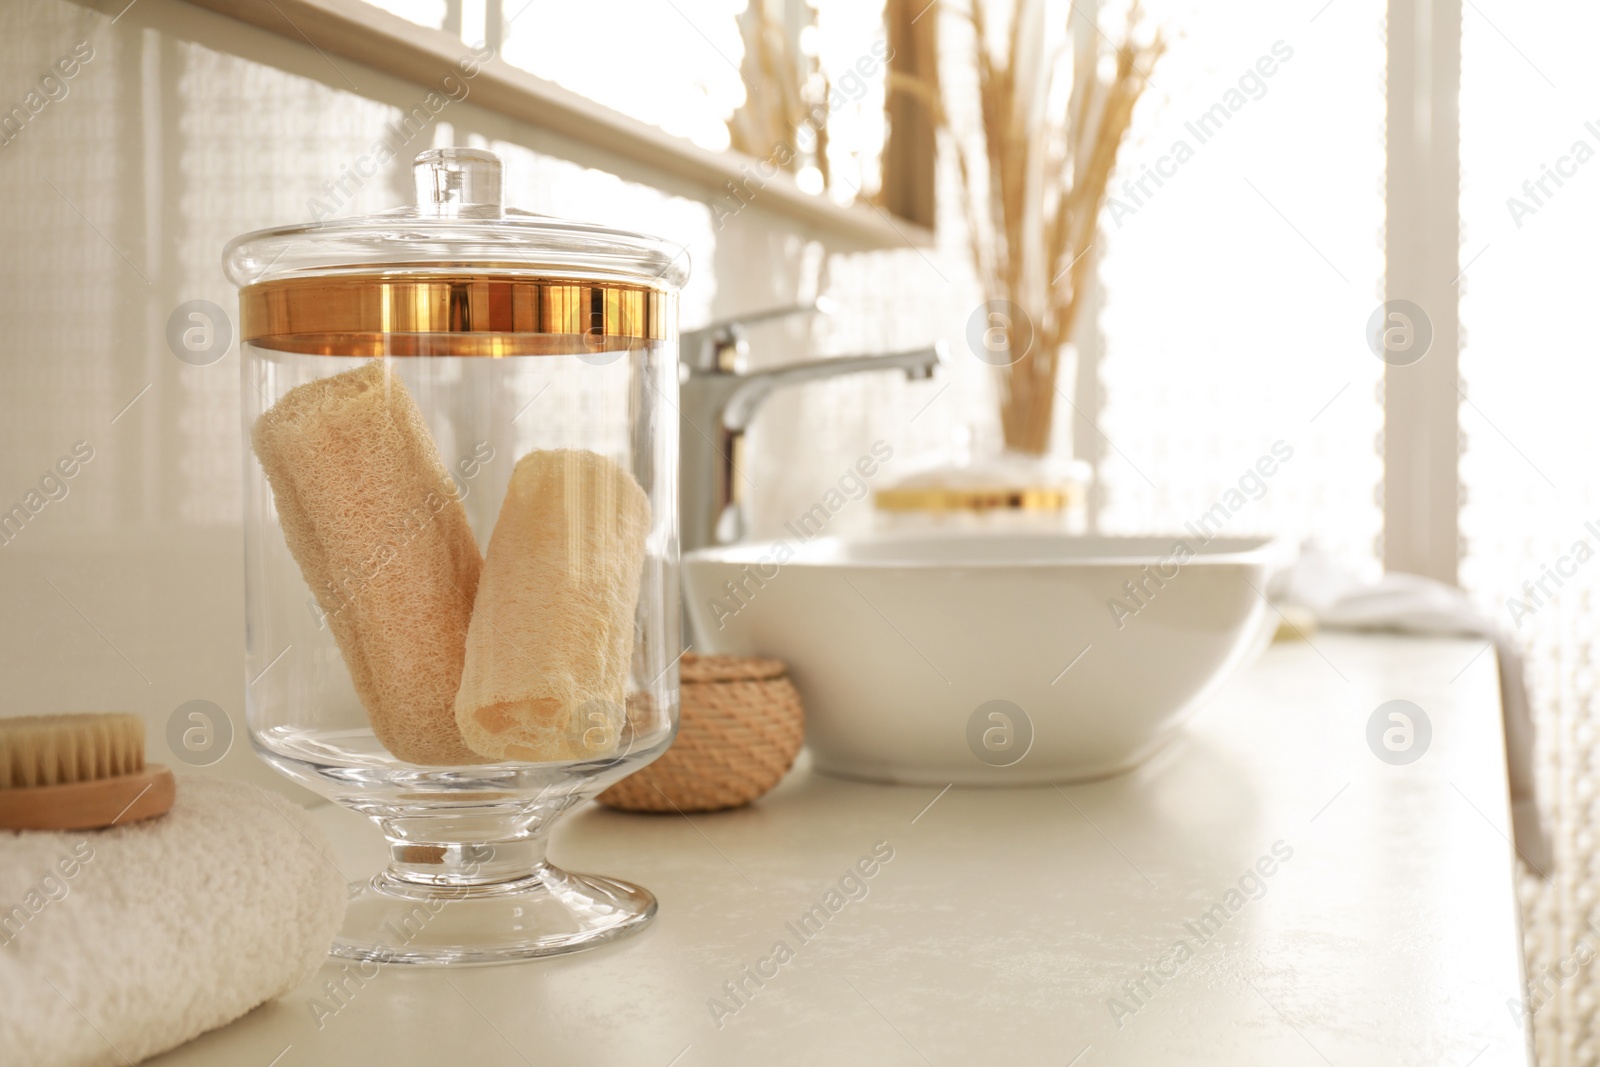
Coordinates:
57	749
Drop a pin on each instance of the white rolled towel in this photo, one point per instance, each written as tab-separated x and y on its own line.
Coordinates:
119	944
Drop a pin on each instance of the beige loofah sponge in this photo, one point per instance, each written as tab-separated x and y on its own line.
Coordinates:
552	636
369	514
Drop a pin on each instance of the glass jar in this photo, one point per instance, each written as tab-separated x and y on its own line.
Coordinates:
461	546
970	490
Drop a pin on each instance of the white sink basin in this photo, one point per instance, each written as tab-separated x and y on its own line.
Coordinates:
991	659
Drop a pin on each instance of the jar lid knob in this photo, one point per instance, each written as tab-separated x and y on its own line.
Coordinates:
459	183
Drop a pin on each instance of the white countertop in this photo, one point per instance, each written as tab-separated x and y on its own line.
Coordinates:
1007	920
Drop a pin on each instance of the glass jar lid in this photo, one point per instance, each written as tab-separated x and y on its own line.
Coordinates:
458	273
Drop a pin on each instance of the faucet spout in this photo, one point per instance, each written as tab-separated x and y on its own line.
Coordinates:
754	388
718	405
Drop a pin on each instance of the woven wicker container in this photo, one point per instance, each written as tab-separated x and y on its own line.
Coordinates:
739	731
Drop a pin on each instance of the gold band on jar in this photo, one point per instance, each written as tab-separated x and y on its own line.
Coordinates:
428	314
977	500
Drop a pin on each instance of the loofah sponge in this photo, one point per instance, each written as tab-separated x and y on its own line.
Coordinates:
552	635
370	515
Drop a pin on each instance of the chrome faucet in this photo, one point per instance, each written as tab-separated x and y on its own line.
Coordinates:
718	402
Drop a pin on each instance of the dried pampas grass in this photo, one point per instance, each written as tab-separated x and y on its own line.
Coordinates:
1032	220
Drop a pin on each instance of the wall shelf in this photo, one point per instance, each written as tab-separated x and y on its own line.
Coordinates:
358	31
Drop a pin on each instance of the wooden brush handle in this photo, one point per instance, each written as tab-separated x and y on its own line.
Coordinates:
89	805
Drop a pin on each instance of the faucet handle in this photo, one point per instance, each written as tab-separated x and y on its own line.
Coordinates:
716	346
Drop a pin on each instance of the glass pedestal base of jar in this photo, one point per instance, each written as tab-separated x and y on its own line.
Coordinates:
484	901
468	880
546	913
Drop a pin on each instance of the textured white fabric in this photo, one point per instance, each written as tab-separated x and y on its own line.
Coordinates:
118	944
1407	603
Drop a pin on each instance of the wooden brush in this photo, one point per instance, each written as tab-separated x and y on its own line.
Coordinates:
78	772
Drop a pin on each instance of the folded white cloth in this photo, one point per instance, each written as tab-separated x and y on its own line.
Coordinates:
1407	603
119	944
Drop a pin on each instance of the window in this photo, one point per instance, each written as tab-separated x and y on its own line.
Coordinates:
1530	179
1235	289
678	65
